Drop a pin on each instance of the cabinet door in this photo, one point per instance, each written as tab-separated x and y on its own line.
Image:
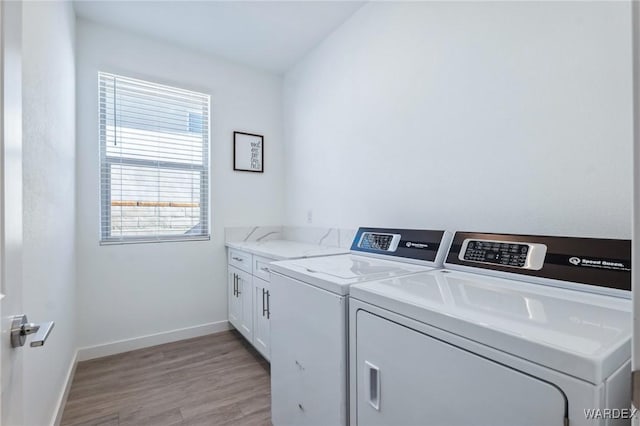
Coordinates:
405	377
261	315
235	303
245	294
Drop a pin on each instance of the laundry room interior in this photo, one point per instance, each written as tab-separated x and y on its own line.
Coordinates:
324	213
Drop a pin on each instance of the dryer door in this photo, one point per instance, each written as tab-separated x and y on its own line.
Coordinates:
405	377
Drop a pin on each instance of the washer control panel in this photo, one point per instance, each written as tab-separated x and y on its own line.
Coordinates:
505	253
424	246
379	241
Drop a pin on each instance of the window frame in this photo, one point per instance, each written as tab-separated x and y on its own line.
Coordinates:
107	162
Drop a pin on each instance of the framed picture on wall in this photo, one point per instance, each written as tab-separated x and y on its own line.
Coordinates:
248	152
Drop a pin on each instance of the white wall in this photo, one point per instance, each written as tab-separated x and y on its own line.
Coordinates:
49	200
507	117
128	291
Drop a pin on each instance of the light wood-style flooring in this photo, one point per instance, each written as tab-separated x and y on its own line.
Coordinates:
213	380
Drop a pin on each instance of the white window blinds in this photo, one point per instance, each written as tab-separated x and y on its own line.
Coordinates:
154	161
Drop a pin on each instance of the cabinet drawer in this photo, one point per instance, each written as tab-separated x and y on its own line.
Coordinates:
261	267
240	260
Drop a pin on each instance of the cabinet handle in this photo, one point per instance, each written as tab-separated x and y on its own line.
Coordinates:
268	304
235	284
372	376
264	308
265	269
238	292
237	259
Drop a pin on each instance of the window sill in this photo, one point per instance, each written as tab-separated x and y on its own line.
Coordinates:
154	240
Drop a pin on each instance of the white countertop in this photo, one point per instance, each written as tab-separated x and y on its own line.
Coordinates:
284	249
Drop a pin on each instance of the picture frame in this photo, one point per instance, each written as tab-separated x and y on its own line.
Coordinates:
248	152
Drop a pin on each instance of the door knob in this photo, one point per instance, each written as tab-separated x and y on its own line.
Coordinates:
20	328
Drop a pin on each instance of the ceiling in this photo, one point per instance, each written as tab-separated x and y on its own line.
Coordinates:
271	35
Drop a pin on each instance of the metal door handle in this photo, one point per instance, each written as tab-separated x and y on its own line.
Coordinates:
268	304
237	259
264	308
20	329
238	286
42	333
265	269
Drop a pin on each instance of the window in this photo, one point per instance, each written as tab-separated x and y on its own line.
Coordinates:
154	160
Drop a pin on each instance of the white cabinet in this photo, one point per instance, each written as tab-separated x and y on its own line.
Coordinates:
262	316
241	301
249	298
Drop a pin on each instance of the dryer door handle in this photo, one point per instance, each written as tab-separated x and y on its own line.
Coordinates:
372	379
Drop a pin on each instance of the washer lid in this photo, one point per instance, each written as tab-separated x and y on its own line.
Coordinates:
337	273
580	334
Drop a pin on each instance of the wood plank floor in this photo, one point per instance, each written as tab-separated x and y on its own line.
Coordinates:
213	380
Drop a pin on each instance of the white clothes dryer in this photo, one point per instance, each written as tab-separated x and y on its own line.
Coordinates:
517	330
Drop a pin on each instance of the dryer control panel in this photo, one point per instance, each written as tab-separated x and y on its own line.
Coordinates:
598	262
506	253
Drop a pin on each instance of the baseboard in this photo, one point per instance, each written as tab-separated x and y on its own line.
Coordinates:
112	348
62	399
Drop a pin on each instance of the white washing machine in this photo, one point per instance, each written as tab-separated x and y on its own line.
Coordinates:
309	324
517	330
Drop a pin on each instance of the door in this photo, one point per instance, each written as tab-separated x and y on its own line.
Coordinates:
235	303
245	293
262	315
405	377
11	407
635	278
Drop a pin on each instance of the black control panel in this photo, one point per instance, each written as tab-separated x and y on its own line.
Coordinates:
595	261
499	253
